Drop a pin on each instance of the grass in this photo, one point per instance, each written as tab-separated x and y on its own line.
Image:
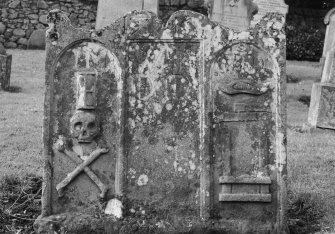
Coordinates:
21	115
311	161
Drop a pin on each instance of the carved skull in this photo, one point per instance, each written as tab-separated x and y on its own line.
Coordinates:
84	126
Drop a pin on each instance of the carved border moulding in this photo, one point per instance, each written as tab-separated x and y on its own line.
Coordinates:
230	184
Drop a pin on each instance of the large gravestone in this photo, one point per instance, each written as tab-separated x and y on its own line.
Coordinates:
110	10
322	108
329	43
164	129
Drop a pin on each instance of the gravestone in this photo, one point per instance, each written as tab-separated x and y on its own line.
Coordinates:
322	109
164	129
110	10
268	6
242	14
329	43
5	68
235	14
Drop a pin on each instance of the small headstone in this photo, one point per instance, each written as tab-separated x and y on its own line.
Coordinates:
329	43
5	68
110	10
174	128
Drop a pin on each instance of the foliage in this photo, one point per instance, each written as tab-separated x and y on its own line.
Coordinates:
19	203
304	42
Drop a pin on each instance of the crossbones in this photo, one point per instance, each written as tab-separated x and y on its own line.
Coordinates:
81	166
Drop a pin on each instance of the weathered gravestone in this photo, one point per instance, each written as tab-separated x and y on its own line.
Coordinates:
111	10
268	6
5	68
242	14
322	107
235	14
329	43
164	129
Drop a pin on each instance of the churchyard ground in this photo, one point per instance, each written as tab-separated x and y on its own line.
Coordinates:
311	159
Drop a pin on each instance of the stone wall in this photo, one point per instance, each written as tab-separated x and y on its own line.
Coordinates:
20	18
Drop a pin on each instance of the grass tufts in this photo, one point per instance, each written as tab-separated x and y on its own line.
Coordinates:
19	203
305	213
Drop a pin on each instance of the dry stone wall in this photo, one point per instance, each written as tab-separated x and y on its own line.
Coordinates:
20	18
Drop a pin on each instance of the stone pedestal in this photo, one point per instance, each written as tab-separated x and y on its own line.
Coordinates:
5	71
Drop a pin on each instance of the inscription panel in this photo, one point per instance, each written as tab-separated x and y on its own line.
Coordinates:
163	124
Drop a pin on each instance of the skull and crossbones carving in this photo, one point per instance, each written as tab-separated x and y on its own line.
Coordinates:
84	128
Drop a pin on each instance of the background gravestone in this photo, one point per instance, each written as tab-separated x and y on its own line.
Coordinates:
329	43
176	128
242	14
5	68
233	14
322	110
110	10
267	6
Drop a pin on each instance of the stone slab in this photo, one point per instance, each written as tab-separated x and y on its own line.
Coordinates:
5	71
110	10
322	108
134	114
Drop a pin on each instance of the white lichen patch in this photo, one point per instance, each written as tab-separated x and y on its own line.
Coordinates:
114	207
142	180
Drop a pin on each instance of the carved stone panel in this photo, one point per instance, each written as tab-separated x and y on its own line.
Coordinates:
163	122
85	122
244	80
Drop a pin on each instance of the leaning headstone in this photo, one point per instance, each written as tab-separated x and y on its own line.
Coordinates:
5	68
164	129
322	107
110	10
329	43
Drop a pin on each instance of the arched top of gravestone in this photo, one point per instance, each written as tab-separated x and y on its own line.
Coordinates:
182	25
329	16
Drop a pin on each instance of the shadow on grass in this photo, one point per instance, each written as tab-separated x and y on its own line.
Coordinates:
19	203
305	212
305	99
